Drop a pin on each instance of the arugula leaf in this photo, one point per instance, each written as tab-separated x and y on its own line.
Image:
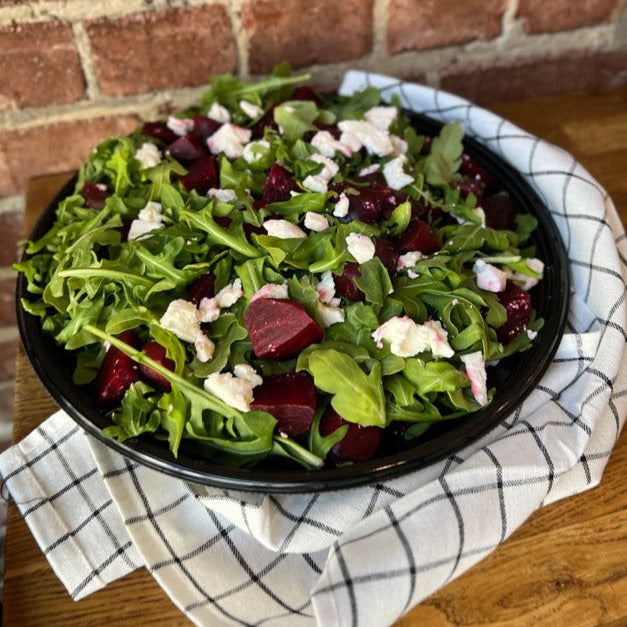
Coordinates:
445	155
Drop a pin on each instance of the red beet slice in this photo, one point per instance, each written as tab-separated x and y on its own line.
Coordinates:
358	445
473	169
418	236
290	398
386	251
278	185
517	302
279	328
500	212
159	130
117	373
204	126
202	175
469	186
188	148
156	352
95	194
202	287
345	284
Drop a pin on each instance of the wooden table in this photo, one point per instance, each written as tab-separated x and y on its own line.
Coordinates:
566	566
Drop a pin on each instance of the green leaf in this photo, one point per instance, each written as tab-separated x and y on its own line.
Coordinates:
434	376
357	397
444	158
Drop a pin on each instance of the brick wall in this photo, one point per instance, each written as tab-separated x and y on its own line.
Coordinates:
75	71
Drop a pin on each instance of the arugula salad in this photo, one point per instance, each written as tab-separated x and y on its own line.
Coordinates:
278	274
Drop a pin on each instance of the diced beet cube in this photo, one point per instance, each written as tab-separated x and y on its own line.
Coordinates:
95	194
202	175
475	170
305	92
266	121
345	284
124	229
387	252
500	212
188	148
117	373
159	130
156	352
290	398
204	126
279	328
249	229
278	185
358	445
202	287
469	186
517	302
418	236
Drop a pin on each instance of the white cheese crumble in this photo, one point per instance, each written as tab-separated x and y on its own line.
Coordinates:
283	229
489	277
409	260
148	155
408	338
527	282
316	221
230	140
219	113
475	371
250	109
248	373
229	294
204	348
271	290
329	314
360	246
341	206
327	145
320	182
326	288
182	318
358	133
233	390
208	309
381	116
180	126
369	169
478	211
255	150
395	175
223	195
149	219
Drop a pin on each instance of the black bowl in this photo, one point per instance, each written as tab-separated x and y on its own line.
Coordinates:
514	377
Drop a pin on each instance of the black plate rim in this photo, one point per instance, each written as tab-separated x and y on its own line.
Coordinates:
40	350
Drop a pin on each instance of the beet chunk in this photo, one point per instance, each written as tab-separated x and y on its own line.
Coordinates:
156	352
278	185
202	175
386	251
358	445
279	328
117	373
345	284
205	127
188	148
290	398
202	287
418	236
95	194
517	302
500	212
475	170
159	130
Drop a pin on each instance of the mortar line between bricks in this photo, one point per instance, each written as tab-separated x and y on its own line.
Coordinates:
84	53
380	16
234	11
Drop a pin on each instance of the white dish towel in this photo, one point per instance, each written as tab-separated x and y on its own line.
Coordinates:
227	557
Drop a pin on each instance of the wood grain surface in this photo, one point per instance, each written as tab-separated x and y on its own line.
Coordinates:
567	565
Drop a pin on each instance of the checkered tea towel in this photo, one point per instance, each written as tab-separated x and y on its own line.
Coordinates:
366	555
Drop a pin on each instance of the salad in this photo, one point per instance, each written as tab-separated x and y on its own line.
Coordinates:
277	274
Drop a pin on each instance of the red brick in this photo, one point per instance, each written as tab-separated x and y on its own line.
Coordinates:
8	351
542	16
39	65
524	78
325	31
423	24
53	148
11	231
161	49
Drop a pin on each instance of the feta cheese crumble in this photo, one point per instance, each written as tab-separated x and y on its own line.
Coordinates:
180	126
409	260
149	219
395	175
235	391
255	150
341	206
381	116
148	155
250	109
182	318
329	314
475	371
283	229
489	277
219	113
223	195
229	294
360	133
326	288
230	140
316	221
320	182
360	246
271	290
327	145
408	338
